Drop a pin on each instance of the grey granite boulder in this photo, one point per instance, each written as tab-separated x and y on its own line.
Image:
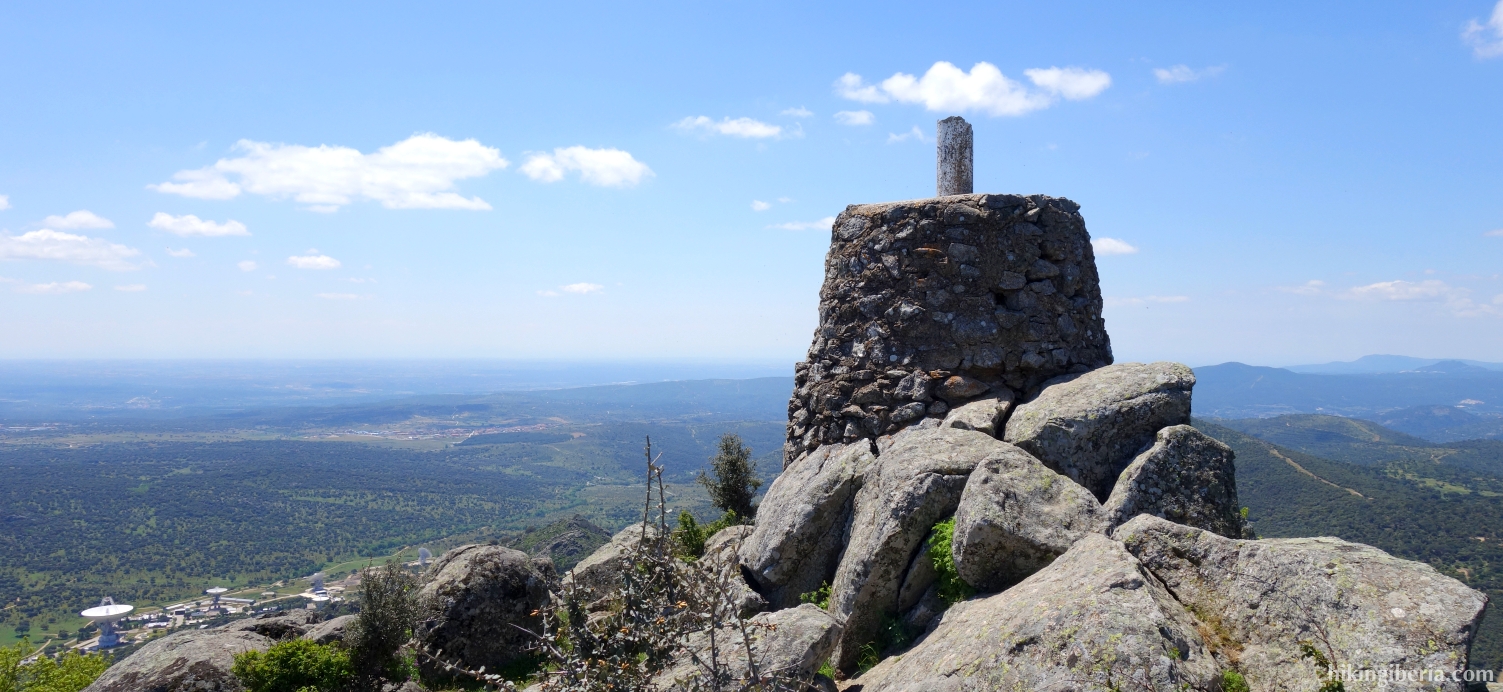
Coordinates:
1095	619
330	631
1268	600
1090	426
790	643
277	625
722	557
1186	477
599	573
803	521
190	661
1015	517
983	415
481	595
916	483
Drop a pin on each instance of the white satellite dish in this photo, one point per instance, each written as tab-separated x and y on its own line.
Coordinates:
105	615
424	556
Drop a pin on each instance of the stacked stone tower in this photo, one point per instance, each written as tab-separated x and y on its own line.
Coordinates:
930	303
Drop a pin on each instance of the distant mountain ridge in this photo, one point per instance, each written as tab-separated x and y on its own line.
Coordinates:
1382	364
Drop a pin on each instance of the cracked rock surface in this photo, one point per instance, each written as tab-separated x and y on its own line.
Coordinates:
483	593
1090	426
1095	619
1353	603
193	660
1186	477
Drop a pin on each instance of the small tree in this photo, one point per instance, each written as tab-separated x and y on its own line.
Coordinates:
735	481
390	610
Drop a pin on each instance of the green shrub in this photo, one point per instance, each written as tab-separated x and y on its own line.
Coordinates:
389	612
297	665
819	597
952	589
691	535
70	672
1232	681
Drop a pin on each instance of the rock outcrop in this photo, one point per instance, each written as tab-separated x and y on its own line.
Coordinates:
983	415
1186	477
565	542
1095	619
1271	603
482	594
189	661
277	625
330	631
803	523
915	483
722	556
790	643
929	303
1015	517
1090	426
601	571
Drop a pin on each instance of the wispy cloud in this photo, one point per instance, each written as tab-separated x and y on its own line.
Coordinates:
1146	300
246	265
745	128
4	202
312	261
603	167
1309	288
1496	234
416	173
759	205
800	112
1486	39
190	225
1112	246
47	244
915	133
340	296
1457	299
582	288
820	225
855	117
48	288
183	253
1179	74
945	87
82	218
131	288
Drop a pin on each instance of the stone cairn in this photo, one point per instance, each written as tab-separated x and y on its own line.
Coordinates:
927	304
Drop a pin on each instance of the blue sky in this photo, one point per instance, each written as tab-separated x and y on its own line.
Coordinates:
597	181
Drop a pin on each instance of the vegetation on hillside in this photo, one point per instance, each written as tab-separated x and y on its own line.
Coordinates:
732	480
70	672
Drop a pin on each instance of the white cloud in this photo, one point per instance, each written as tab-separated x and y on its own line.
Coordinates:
1496	234
548	294
745	128
820	225
785	200
1112	246
800	112
191	225
78	219
603	167
1486	40
1456	299
415	173
313	261
131	288
1180	74
4	201
1072	83
1309	288
246	265
946	87
339	296
855	117
851	86
759	205
914	133
185	252
582	288
54	287
47	244
1432	289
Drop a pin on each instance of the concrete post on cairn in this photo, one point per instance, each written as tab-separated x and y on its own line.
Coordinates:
954	152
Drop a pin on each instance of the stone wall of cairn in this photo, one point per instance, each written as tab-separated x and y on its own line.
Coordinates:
927	304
